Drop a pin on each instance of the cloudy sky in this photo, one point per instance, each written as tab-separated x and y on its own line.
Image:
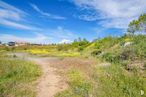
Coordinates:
56	21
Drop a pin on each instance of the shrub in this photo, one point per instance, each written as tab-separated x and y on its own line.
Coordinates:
128	53
96	52
110	57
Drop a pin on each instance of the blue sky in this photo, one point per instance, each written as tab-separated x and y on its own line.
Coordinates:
57	21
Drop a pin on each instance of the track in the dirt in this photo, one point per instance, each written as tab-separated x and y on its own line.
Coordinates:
50	82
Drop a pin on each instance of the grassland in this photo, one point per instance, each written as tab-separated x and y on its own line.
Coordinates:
45	52
17	77
124	77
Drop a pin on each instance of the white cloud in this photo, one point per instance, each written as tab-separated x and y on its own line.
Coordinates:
46	36
13	17
116	13
51	16
16	25
39	38
8	11
61	33
65	41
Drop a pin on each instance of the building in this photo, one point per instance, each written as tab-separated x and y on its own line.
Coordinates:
11	43
21	43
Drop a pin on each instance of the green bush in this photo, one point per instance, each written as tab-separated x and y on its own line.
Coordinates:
96	53
110	57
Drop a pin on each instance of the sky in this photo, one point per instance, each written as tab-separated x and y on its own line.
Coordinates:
59	21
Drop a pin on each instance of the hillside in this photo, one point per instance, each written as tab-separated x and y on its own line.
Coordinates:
117	65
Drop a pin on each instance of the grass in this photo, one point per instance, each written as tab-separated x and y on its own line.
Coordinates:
107	81
53	52
79	86
114	81
17	77
104	81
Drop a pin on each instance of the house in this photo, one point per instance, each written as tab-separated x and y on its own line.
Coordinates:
11	43
21	43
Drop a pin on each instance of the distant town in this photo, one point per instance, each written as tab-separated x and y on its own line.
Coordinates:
12	43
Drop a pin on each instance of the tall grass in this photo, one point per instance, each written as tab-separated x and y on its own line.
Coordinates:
114	81
105	81
16	78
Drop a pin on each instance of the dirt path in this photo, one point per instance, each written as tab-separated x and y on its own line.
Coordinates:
50	82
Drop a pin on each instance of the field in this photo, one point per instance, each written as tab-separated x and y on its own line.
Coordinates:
104	68
17	77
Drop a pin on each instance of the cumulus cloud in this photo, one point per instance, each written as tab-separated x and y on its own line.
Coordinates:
115	13
60	33
51	16
65	41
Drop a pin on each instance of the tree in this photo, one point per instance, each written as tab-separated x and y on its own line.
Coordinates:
138	25
80	43
133	26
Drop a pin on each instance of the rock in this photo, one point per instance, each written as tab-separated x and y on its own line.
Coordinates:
127	43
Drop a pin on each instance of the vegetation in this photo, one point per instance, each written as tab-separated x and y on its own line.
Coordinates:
79	87
124	77
138	25
117	82
16	77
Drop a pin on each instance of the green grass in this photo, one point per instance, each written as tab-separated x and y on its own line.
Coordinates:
53	52
16	78
79	86
106	81
114	81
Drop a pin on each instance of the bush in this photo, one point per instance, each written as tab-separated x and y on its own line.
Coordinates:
110	57
128	53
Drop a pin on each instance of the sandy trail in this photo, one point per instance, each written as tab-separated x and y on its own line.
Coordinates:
50	82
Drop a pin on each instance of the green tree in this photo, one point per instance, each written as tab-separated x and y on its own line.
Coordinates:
138	25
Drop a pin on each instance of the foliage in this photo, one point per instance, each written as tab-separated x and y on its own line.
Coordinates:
138	25
80	44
